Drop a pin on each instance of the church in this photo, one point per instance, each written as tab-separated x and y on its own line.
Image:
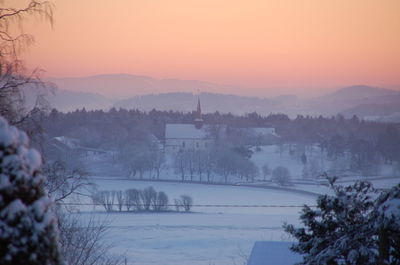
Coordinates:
198	136
181	137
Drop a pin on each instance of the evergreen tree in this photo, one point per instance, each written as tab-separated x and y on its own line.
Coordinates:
28	232
351	227
386	223
337	231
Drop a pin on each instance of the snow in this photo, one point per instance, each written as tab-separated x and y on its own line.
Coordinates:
33	159
273	253
208	235
11	212
185	131
26	221
391	208
9	135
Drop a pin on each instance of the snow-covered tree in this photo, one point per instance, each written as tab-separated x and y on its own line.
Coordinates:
338	230
386	222
28	227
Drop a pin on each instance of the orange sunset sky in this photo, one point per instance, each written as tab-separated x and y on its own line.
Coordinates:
293	45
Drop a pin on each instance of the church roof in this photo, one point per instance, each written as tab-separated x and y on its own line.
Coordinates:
185	131
262	131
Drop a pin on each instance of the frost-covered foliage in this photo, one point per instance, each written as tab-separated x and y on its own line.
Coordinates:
337	231
387	222
28	233
351	227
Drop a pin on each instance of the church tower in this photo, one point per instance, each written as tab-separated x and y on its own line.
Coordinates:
198	121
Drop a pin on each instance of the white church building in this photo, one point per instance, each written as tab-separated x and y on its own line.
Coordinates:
198	136
181	137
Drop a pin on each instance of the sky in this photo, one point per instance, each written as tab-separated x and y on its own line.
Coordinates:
299	46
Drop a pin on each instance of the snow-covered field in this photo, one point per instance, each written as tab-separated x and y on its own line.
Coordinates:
208	235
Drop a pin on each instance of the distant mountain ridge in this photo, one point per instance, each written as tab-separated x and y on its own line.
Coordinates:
119	86
65	100
210	102
146	93
352	97
358	92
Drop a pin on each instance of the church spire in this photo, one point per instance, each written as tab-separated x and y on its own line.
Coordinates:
198	121
198	109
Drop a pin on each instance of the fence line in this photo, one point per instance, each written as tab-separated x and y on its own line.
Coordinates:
194	205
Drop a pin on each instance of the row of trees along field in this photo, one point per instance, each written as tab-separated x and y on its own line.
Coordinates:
136	200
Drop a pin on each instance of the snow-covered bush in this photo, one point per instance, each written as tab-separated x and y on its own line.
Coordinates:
28	231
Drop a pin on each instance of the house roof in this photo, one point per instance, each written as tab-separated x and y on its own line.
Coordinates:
273	253
185	131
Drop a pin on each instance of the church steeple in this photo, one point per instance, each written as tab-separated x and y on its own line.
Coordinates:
198	121
198	109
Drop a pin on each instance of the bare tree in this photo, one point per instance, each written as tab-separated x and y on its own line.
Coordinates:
62	182
281	175
191	162
178	204
161	202
186	202
120	199
226	162
266	171
105	198
180	164
148	195
133	199
209	165
247	169
84	243
14	77
157	162
137	159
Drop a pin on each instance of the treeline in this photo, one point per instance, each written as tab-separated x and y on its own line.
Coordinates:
136	136
102	128
135	200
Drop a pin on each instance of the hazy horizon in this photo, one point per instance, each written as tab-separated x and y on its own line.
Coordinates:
229	88
267	48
